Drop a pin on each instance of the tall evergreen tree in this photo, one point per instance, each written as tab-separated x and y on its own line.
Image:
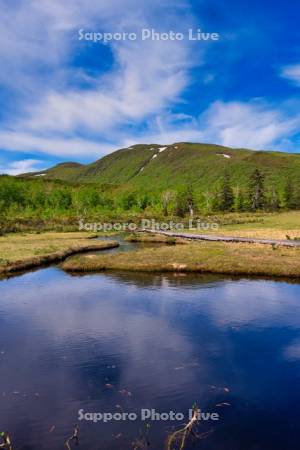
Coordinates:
226	197
288	193
256	190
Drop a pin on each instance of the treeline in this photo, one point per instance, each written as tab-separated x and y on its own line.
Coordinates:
31	198
41	198
257	196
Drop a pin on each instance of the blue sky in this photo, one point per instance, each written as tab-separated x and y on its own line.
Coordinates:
65	99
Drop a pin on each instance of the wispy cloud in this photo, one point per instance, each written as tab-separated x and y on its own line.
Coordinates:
23	166
291	73
136	97
133	92
145	79
65	147
255	124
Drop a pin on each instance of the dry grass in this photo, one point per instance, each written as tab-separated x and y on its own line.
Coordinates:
261	233
22	251
155	238
214	257
264	226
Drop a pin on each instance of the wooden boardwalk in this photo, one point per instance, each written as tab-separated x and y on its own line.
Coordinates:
215	238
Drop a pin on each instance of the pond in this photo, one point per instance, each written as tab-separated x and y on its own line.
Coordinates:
122	343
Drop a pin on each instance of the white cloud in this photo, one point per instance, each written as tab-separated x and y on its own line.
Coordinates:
254	124
144	82
23	166
131	94
145	78
291	73
29	142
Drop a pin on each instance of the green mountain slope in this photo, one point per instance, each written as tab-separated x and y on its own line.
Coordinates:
63	171
156	167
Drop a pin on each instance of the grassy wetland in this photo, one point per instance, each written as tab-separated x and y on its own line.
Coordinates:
25	251
21	251
181	255
283	225
213	257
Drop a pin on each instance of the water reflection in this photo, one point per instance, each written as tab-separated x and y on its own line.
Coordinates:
164	341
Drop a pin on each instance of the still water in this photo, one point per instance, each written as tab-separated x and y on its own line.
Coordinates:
126	342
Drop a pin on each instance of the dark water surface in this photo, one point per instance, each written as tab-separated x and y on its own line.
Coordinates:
74	342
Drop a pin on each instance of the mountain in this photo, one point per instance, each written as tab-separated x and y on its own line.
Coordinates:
158	167
63	171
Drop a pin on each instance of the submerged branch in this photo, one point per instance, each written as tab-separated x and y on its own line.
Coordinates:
74	437
6	441
177	440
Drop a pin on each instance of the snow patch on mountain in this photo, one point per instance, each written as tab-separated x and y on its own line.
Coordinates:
224	154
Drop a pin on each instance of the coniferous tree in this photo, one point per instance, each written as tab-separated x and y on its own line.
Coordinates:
226	197
296	198
292	195
256	190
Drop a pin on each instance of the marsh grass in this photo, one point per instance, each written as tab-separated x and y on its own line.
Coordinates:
22	251
260	225
213	257
155	238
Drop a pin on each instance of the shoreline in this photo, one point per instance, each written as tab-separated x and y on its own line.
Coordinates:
54	256
174	253
222	258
